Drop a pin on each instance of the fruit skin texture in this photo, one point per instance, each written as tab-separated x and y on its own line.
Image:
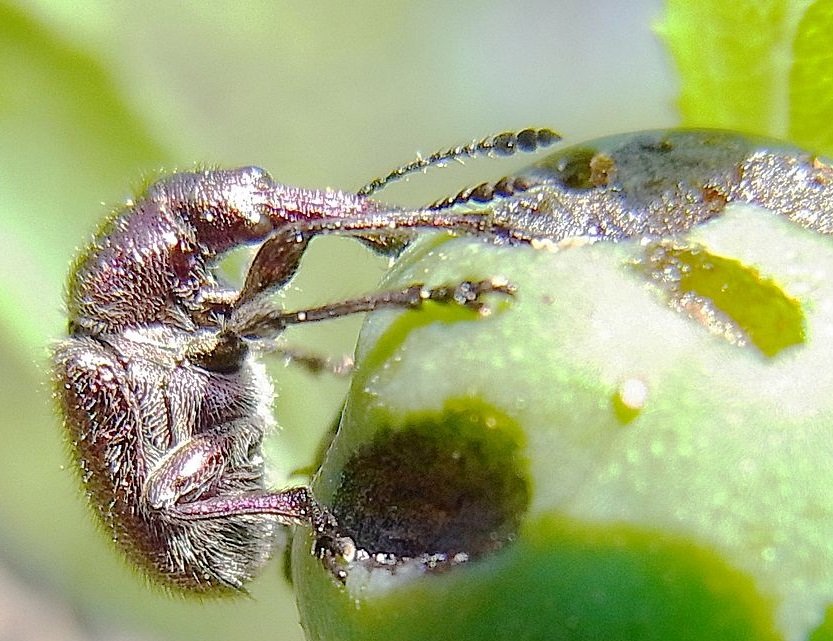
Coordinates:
703	512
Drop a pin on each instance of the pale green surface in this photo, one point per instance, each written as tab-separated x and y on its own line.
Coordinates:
93	96
731	450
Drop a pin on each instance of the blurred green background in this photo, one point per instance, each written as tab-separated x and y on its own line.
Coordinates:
95	95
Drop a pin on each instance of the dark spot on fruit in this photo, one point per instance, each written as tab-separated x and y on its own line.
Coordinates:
437	483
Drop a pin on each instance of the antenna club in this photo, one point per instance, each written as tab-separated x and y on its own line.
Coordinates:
507	143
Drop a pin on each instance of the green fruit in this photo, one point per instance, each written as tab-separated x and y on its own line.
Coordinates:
636	445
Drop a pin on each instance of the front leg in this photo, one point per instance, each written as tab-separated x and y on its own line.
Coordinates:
257	320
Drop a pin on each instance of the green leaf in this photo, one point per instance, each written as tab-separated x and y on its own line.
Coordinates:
811	80
758	67
731	59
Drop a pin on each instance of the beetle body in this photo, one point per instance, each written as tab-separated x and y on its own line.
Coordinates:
140	313
164	398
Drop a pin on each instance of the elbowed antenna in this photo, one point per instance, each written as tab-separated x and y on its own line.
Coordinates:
504	144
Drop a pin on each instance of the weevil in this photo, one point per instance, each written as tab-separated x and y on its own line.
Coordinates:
164	396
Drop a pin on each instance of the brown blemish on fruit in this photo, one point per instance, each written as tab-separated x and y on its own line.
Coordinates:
602	170
823	171
448	484
715	198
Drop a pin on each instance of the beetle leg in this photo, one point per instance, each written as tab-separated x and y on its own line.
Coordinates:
275	263
182	485
316	363
294	505
258	320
